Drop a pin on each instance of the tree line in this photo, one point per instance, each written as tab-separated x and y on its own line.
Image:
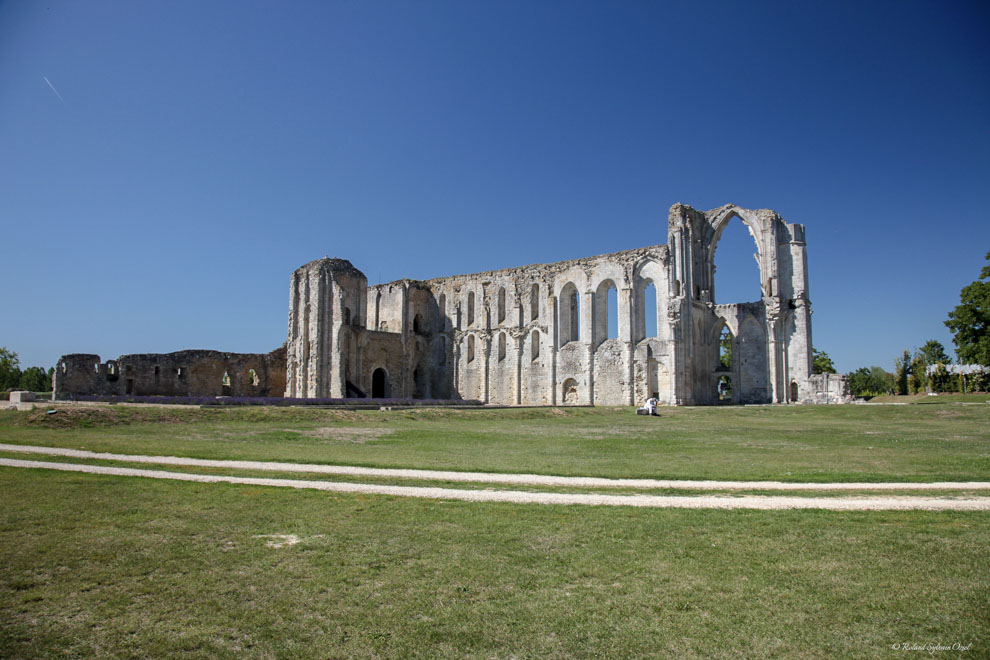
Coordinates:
34	379
969	323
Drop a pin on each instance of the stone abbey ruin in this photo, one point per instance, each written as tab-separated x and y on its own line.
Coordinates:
532	335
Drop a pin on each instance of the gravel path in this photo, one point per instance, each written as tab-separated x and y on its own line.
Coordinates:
492	477
889	503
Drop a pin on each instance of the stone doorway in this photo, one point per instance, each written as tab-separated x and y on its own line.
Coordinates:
380	388
569	392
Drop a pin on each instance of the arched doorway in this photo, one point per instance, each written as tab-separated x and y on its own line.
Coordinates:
380	388
569	392
421	379
723	389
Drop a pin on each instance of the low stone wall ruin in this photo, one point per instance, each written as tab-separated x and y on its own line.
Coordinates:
183	373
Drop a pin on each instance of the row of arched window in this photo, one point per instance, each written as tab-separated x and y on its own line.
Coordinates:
500	308
501	347
605	313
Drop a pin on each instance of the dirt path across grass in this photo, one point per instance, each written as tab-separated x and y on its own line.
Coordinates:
889	503
490	477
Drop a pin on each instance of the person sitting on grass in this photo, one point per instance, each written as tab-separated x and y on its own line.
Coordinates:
651	405
649	408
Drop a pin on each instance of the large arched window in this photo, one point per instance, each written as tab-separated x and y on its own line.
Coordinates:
612	305
501	305
442	312
534	302
470	351
736	266
470	310
569	314
534	347
647	301
501	346
606	312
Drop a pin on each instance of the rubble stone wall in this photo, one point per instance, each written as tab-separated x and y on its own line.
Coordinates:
183	373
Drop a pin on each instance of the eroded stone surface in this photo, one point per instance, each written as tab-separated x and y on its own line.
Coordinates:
183	373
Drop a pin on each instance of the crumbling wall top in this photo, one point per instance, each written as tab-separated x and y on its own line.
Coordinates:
659	252
334	265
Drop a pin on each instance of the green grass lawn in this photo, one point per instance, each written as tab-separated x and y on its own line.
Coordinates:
94	565
97	565
801	443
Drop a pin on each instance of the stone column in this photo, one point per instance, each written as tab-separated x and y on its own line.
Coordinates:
519	358
772	306
486	345
553	328
456	350
588	337
628	310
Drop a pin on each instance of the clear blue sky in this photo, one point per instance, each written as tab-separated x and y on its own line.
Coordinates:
188	155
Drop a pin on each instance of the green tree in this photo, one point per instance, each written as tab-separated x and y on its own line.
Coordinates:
970	321
870	382
821	362
917	379
933	354
10	369
902	370
725	348
35	379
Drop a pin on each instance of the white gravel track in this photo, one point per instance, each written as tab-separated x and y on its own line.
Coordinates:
890	503
490	477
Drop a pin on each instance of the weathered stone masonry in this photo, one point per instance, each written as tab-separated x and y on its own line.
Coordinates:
539	334
184	373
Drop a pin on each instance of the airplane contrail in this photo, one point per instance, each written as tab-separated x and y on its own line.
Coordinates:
53	89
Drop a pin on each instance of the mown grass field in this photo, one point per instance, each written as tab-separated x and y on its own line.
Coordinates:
945	441
123	566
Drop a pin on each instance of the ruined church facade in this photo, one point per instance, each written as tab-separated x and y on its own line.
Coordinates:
540	334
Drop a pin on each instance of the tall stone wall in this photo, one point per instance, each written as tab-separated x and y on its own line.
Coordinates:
540	334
